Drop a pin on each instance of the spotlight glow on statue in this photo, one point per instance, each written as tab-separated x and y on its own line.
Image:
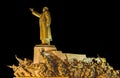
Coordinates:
44	23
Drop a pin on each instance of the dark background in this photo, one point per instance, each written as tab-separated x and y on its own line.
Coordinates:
77	27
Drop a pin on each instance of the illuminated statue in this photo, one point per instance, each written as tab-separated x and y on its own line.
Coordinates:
44	23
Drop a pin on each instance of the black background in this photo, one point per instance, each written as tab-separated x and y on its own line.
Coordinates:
77	27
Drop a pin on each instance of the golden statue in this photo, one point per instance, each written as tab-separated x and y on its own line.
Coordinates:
44	23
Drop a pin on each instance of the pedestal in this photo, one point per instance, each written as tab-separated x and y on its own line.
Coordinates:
38	58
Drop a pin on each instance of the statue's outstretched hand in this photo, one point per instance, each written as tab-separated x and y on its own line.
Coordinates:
31	9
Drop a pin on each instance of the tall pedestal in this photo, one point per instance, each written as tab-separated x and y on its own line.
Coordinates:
38	58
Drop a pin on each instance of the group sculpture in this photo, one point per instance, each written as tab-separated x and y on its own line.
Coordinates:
55	67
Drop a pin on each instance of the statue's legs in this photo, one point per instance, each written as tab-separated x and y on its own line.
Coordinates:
44	42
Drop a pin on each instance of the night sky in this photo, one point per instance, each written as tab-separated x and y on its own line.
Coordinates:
77	27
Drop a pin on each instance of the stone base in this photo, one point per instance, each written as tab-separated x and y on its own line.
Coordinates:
40	77
37	58
76	56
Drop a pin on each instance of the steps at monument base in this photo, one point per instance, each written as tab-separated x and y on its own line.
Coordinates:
76	56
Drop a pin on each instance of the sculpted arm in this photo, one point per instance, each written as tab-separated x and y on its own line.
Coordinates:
35	13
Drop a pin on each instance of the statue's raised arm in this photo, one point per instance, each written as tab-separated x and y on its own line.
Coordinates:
35	13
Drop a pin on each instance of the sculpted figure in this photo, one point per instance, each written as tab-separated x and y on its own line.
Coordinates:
44	23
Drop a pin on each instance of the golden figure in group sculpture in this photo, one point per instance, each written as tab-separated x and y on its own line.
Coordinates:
44	23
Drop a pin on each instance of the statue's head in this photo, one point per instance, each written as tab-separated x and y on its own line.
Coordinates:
45	9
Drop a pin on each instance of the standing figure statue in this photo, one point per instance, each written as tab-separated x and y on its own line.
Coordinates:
44	23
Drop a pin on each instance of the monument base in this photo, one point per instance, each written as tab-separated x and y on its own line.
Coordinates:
47	61
38	58
51	49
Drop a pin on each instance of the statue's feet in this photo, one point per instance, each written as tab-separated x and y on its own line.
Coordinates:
44	43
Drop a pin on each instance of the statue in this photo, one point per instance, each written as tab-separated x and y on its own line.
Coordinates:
44	23
14	67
